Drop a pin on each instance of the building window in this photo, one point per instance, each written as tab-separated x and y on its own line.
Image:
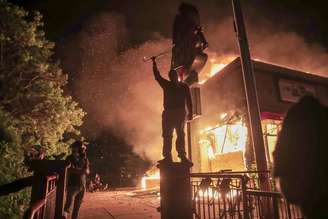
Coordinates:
271	128
224	138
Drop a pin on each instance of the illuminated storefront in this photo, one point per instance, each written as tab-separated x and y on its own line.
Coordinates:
220	137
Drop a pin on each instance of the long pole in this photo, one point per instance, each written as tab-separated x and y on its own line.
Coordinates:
250	90
189	140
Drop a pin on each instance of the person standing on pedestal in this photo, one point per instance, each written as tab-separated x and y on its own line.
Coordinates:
176	97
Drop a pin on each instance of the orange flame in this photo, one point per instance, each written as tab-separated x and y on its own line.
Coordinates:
150	181
214	66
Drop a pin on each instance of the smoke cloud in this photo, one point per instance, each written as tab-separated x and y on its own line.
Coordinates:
117	88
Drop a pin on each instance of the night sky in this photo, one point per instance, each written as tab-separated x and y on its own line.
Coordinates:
62	17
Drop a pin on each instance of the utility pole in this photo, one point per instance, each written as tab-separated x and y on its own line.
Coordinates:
253	109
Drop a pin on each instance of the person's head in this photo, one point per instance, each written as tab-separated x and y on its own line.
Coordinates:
173	76
185	8
189	12
78	149
300	155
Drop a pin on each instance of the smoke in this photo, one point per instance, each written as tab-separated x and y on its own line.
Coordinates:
268	43
117	88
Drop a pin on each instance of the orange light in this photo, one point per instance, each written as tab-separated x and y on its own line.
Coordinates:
228	138
150	181
214	66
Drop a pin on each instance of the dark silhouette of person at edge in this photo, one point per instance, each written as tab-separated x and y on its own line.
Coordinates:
176	97
300	157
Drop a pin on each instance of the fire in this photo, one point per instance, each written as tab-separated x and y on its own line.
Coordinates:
210	153
224	138
212	193
213	66
150	180
223	116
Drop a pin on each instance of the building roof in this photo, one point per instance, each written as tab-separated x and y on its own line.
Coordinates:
276	69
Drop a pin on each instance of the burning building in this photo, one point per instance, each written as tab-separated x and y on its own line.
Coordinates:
219	137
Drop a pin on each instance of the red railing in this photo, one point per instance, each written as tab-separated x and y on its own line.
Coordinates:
37	210
45	208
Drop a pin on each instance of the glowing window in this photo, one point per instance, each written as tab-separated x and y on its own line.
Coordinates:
226	138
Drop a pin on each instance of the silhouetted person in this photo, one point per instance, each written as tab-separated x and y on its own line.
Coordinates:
176	97
301	157
76	184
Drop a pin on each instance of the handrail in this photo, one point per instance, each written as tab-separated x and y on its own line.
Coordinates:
49	189
35	207
264	193
234	172
50	183
16	185
217	175
52	177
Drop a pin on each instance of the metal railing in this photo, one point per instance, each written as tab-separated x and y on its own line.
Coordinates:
232	195
265	204
218	195
45	208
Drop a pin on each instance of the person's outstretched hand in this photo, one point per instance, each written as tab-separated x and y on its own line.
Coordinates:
153	59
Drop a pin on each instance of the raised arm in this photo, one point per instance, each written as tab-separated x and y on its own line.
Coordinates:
157	74
189	103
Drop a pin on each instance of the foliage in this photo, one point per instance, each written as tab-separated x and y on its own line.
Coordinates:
33	106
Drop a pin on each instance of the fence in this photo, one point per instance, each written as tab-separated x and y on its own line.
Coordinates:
232	195
264	204
45	208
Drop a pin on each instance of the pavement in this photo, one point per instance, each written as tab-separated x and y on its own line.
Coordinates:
133	204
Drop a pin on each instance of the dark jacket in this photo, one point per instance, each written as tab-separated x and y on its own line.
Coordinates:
77	172
176	95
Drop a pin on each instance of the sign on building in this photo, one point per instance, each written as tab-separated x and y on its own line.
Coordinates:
292	91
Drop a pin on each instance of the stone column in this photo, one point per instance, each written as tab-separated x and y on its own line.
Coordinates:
175	190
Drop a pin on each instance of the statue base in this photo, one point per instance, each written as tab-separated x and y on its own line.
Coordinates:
175	190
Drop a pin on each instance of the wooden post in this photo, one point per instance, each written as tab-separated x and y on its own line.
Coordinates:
175	191
43	168
253	109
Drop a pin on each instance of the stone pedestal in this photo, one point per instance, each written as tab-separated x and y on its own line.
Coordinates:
175	191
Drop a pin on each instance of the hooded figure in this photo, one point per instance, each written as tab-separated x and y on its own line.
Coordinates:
300	157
